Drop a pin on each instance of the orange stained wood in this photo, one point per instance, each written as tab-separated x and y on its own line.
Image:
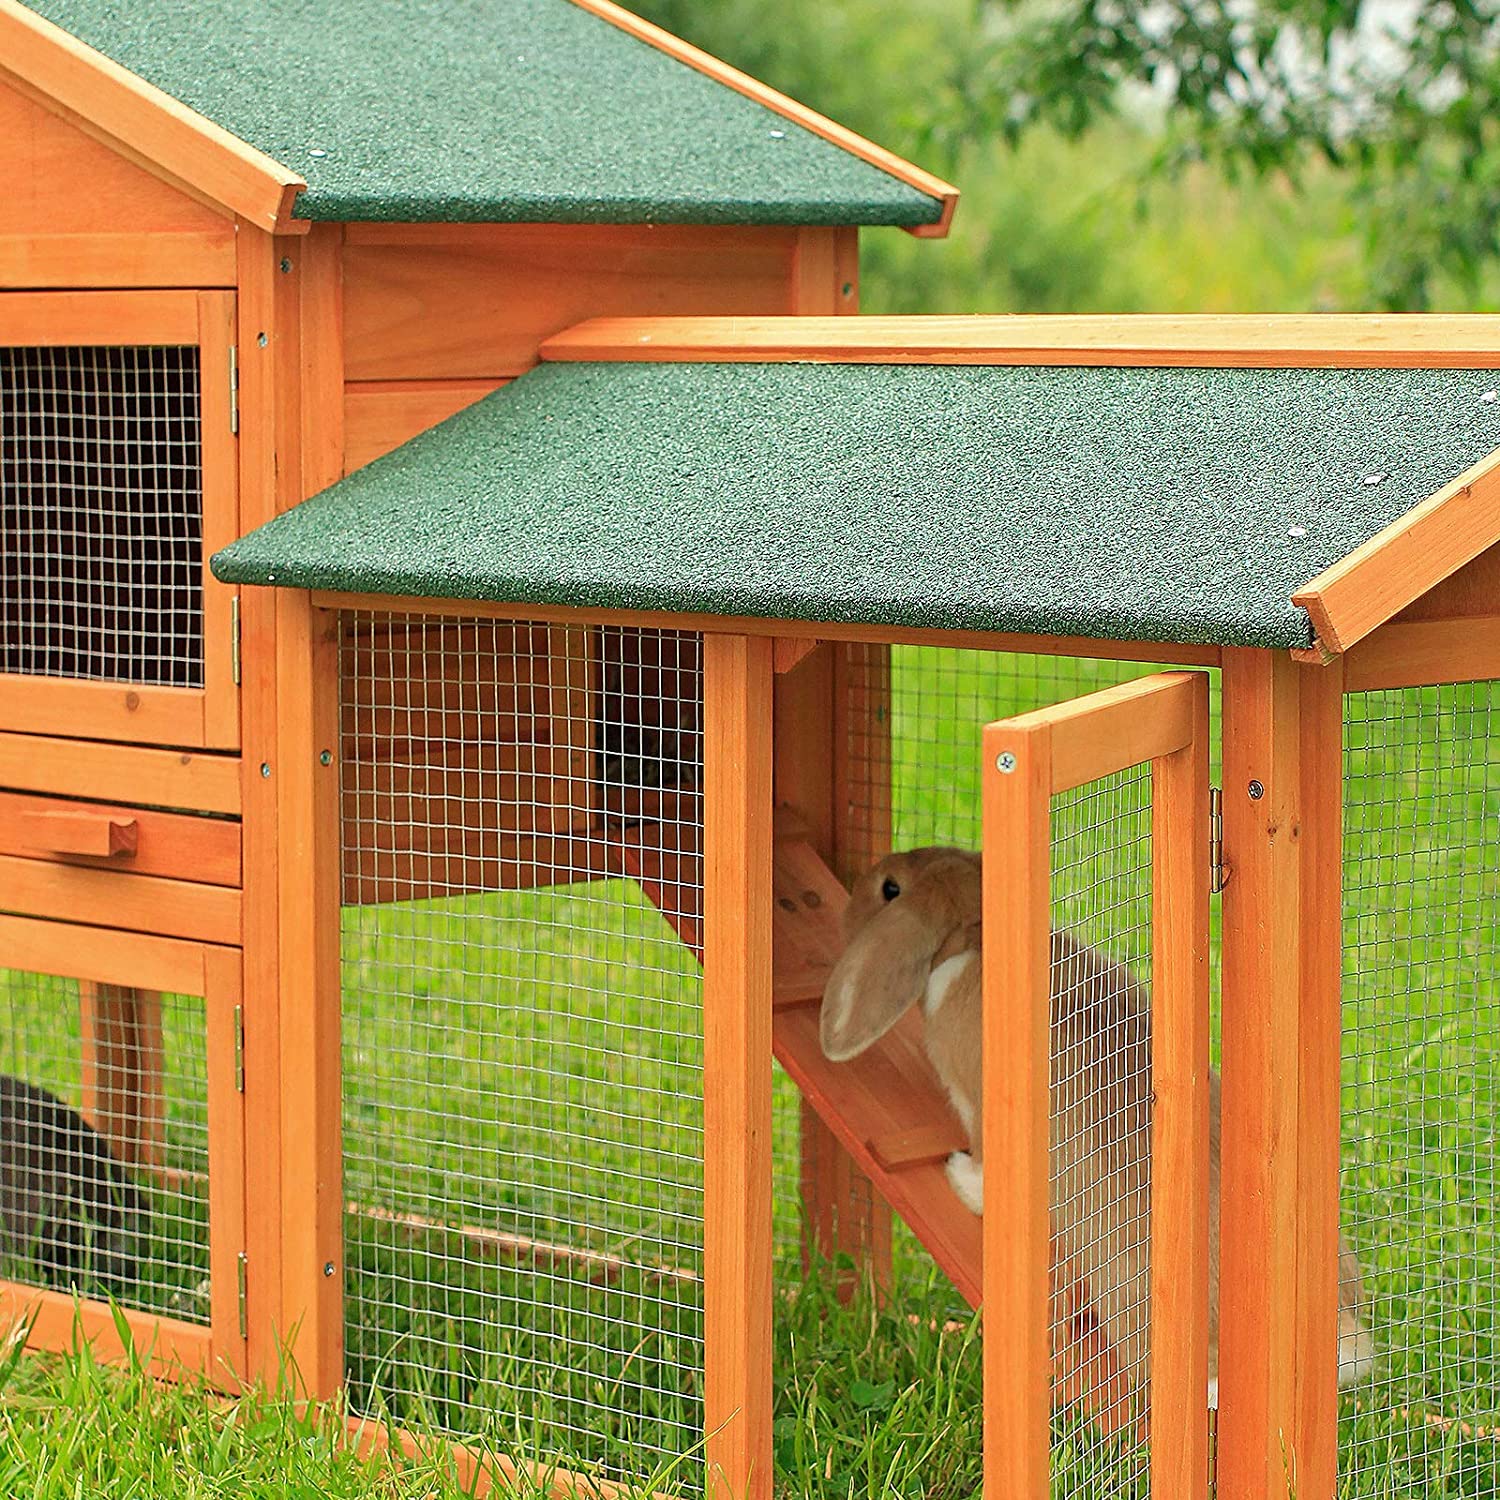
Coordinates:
1017	1252
227	1156
1471	590
872	636
382	414
120	1040
70	951
59	1321
737	1248
471	302
120	773
1410	556
799	114
1251	340
145	125
142	903
1412	653
103	834
107	710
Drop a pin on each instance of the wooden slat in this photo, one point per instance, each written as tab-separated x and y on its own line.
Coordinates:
472	302
102	710
120	773
312	1204
143	123
1122	726
1248	340
103	956
799	114
737	1247
221	518
102	835
1017	911
1261	1046
141	903
55	1320
226	1157
203	849
1180	1112
1410	556
202	257
382	414
120	1042
1414	653
1470	591
54	318
825	630
318	265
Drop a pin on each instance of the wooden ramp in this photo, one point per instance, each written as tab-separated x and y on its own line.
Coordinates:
885	1107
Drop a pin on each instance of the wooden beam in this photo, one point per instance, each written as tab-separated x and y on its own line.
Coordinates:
737	1247
120	773
103	955
134	258
1423	652
144	124
789	109
1254	341
1410	556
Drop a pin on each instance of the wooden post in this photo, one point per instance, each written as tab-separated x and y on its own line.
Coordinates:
1180	1113
843	1215
737	1250
1278	1224
1017	1239
120	1033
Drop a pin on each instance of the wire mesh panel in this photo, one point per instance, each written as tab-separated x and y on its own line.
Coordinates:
1100	1064
1421	1091
101	514
522	1056
104	1143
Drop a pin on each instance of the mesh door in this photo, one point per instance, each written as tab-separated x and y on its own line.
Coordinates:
101	514
522	1056
104	1143
1421	1088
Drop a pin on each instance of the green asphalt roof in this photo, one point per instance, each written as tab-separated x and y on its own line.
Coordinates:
1132	504
485	110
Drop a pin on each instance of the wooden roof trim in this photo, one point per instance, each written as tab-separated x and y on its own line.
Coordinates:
1401	563
790	109
147	126
1323	340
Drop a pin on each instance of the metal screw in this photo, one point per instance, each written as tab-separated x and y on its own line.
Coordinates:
265	768
1005	762
286	265
328	1268
326	758
848	289
1256	790
262	340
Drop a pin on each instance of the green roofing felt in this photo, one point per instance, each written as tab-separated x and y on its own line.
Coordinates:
495	110
1133	504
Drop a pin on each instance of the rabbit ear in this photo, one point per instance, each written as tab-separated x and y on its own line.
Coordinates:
881	974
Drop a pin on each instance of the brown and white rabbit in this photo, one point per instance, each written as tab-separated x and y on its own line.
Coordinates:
912	929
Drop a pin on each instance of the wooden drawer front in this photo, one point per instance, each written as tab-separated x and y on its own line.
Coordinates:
128	840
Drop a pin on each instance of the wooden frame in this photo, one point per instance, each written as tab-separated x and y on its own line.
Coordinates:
193	717
127	962
1421	653
1163	720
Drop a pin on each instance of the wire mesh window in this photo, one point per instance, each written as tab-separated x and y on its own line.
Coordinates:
101	514
1421	1090
1100	1127
104	1143
522	1053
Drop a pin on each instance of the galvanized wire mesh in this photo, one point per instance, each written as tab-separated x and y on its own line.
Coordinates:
522	1055
1421	1090
1100	1128
104	1143
101	514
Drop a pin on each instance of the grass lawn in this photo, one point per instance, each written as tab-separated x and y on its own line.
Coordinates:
526	1065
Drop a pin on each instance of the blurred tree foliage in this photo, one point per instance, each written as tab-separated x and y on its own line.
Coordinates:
1166	154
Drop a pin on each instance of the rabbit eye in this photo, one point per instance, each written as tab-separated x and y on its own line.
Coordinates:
890	890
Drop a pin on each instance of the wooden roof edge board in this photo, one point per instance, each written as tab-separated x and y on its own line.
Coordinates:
146	125
799	114
1402	562
1427	340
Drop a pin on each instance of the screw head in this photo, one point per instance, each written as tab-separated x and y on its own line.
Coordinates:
1256	790
265	768
326	758
1005	762
262	339
328	1268
286	265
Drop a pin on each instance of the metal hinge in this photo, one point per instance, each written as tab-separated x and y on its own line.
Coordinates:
242	1275
1218	874
234	639
234	389
239	1048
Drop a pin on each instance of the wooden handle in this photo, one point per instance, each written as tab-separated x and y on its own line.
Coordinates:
100	834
